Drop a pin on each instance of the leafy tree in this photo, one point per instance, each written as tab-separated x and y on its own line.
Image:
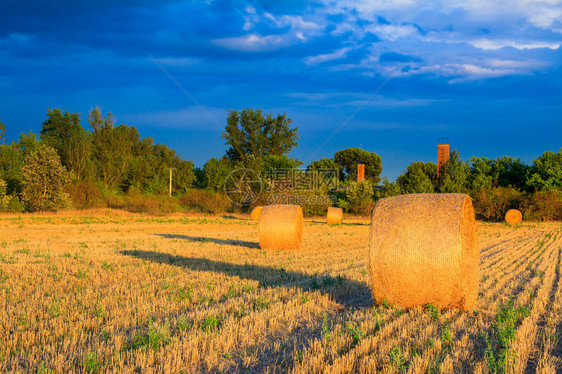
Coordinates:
4	200
249	132
483	173
149	169
358	198
324	163
454	178
328	172
12	158
505	171
113	147
511	172
200	179
216	171
546	172
8	203
420	177
45	181
183	175
348	159
388	189
280	162
62	131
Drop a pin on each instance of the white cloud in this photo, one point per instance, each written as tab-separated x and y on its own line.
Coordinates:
460	39
326	57
254	42
488	44
393	32
295	22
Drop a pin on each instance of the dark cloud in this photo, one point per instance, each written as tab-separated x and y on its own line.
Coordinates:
328	64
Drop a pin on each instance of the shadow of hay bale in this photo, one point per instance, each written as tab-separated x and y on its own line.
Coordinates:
202	239
348	293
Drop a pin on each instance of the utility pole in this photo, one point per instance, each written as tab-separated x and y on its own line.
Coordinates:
170	191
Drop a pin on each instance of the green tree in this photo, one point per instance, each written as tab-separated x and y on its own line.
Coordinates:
324	163
113	147
511	172
358	198
280	162
388	189
12	157
4	199
483	174
149	169
215	173
249	132
454	178
348	159
420	177
546	172
63	132
45	181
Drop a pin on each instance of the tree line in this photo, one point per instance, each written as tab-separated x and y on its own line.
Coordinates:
67	162
107	164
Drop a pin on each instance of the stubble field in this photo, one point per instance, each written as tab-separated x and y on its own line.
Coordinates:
108	292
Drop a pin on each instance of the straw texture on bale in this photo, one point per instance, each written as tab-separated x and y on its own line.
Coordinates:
423	249
334	216
281	227
513	216
256	212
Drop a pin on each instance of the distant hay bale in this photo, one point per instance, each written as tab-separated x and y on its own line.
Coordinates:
255	215
334	216
513	216
423	249
281	227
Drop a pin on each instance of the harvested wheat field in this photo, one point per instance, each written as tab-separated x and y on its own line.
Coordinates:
130	293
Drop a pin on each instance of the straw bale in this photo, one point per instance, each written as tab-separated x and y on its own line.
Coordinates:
513	216
255	215
281	227
334	216
423	249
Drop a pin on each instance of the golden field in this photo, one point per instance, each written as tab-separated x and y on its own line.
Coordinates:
118	293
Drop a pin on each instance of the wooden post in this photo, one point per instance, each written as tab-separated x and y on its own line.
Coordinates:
170	191
360	172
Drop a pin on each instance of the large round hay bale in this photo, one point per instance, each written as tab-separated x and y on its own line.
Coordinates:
334	216
513	216
255	214
423	249
281	227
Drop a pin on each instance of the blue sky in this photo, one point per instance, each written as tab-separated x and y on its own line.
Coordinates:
391	76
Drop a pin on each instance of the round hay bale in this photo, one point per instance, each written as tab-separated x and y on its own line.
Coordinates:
334	216
281	227
256	212
423	249
513	216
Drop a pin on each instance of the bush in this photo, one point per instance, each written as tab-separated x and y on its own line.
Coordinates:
206	201
9	203
155	205
313	203
85	194
492	204
358	198
544	206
